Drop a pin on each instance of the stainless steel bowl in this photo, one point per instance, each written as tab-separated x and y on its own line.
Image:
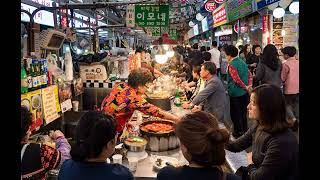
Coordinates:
136	148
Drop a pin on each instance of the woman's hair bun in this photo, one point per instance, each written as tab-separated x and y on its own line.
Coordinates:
217	135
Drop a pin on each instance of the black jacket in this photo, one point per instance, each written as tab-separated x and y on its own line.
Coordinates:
275	156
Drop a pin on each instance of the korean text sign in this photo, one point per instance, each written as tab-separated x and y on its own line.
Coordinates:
238	8
219	16
152	15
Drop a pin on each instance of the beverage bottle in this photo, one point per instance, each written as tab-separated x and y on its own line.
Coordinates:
177	100
29	77
34	77
24	81
43	74
38	75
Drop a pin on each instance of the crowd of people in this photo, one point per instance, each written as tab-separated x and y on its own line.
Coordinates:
258	84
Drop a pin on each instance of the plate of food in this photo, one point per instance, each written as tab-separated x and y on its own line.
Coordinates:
160	162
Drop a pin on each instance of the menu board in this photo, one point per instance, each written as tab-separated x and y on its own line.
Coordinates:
32	101
49	101
277	38
291	29
238	8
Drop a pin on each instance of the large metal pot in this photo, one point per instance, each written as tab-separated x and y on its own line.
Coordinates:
163	103
158	142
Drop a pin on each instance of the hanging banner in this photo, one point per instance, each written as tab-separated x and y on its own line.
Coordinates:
219	16
237	9
130	21
265	30
152	15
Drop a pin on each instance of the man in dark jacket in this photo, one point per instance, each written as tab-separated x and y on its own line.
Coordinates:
213	97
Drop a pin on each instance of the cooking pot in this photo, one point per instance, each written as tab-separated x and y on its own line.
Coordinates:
158	142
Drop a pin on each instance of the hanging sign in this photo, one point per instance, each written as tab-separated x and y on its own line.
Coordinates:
237	9
152	15
219	16
210	6
130	21
236	27
263	3
219	1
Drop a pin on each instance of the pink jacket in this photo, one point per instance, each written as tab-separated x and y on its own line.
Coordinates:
290	76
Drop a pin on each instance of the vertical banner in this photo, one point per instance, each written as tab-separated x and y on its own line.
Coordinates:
130	17
265	30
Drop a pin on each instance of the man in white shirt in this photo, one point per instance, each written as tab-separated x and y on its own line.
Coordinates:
215	56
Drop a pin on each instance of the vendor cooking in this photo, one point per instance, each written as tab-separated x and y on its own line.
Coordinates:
125	98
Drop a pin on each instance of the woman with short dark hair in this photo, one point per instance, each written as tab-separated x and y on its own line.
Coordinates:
274	145
202	144
95	142
125	98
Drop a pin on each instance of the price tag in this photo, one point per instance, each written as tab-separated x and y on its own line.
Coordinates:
66	105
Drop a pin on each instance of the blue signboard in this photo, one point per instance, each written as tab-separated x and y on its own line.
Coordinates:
263	3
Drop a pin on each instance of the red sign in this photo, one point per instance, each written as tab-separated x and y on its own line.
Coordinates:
64	22
266	27
210	6
219	1
236	27
219	16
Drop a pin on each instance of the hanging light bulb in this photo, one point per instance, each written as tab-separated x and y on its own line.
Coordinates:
294	7
170	54
199	17
278	12
161	58
191	24
283	32
166	47
79	51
